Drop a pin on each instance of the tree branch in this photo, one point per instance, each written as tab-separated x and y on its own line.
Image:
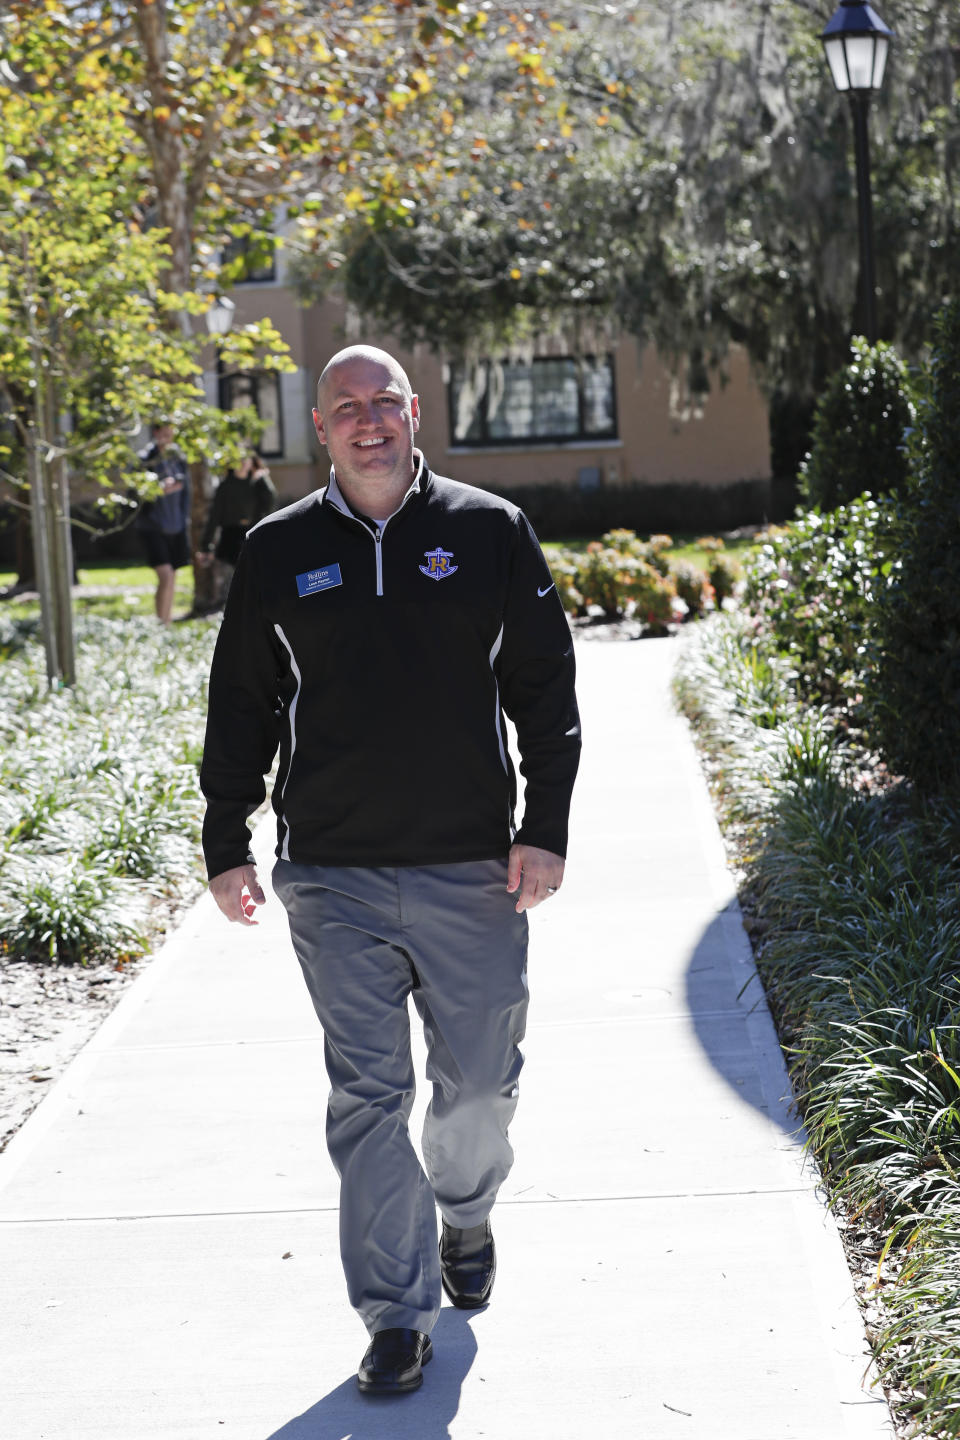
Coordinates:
196	183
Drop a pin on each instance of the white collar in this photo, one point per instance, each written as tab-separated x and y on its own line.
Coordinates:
336	497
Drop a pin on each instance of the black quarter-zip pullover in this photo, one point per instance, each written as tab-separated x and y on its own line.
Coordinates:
380	661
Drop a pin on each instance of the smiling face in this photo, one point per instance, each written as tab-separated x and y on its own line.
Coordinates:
367	416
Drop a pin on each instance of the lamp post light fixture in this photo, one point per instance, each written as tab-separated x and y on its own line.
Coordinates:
219	317
856	42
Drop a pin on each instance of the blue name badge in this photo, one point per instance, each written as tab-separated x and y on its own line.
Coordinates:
325	577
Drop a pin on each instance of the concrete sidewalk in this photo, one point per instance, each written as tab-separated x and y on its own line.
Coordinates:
168	1216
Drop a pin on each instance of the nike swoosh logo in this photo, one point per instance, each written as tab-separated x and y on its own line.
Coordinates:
541	593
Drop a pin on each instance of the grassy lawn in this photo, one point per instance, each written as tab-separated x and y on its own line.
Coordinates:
738	548
115	589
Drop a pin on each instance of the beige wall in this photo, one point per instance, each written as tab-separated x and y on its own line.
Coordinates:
723	440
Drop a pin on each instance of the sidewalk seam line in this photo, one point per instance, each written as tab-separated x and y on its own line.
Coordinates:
332	1209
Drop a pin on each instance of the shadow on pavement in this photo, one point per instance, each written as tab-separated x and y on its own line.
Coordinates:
424	1415
721	1017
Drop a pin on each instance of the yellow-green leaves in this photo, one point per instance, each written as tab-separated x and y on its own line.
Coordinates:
84	312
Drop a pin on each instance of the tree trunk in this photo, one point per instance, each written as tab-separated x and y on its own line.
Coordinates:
166	143
52	548
41	553
25	563
61	542
49	512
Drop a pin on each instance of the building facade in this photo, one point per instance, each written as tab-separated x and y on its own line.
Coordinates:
617	419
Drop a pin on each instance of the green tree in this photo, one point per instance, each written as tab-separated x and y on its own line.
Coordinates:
233	110
85	354
685	175
860	428
914	693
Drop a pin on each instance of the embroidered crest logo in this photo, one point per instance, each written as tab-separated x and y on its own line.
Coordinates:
438	565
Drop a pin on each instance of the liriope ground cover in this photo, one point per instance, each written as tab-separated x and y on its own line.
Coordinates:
100	810
851	892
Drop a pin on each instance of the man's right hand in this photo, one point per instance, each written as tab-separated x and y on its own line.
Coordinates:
238	893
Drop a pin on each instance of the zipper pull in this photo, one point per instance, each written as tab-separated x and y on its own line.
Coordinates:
377	539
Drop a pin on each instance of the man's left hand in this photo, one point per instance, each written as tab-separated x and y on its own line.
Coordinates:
537	874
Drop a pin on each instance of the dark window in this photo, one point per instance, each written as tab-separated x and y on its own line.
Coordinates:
261	390
250	259
498	403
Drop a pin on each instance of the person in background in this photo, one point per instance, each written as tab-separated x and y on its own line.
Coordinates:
243	497
162	523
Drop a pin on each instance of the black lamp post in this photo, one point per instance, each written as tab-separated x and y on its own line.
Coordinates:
856	42
219	321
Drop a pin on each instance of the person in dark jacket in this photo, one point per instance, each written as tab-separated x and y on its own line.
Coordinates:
376	633
163	523
243	497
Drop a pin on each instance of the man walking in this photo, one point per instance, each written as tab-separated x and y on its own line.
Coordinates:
377	631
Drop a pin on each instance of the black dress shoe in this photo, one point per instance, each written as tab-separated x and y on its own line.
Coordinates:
393	1362
468	1264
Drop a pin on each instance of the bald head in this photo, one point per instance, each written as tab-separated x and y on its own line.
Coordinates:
343	358
367	416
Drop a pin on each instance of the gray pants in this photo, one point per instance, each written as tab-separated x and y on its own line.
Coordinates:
366	940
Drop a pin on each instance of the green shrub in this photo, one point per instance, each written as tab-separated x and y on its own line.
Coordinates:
722	571
722	574
619	583
625	542
914	693
811	588
857	443
69	910
99	804
692	585
742	702
600	579
919	1344
650	595
619	575
655	552
854	896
